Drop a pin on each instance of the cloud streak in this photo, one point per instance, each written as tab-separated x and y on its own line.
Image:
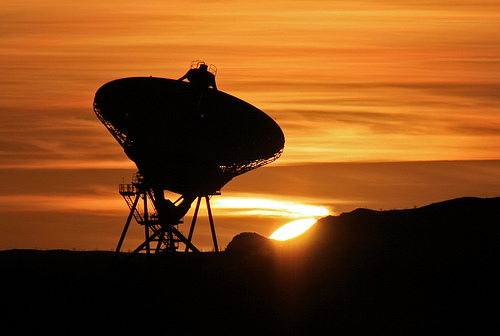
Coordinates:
249	205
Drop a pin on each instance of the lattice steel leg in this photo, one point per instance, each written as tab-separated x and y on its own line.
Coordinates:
212	226
193	222
125	229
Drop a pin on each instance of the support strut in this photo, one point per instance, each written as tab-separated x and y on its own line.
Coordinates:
210	218
160	218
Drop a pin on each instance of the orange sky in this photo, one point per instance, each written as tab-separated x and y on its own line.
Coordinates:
348	81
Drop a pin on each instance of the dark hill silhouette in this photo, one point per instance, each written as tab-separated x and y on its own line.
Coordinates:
249	244
459	225
430	270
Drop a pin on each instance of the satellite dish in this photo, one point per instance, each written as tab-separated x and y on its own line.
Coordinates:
184	140
185	137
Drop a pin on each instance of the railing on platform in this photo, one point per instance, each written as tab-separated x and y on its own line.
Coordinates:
128	189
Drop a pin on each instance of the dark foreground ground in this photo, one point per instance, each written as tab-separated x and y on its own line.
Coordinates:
431	270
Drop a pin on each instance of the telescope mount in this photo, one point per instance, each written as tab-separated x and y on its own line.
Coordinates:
160	227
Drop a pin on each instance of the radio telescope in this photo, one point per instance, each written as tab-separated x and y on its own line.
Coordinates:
184	137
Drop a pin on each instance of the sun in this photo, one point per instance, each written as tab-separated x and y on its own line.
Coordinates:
293	229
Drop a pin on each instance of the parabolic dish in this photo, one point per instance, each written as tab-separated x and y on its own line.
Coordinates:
185	139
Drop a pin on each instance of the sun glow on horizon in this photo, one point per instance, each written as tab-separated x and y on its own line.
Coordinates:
308	214
293	229
269	207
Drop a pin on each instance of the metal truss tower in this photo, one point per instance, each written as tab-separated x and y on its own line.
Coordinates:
160	228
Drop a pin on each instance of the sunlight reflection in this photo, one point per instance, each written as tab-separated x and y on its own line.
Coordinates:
293	229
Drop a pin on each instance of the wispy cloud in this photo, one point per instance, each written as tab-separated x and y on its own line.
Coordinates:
63	138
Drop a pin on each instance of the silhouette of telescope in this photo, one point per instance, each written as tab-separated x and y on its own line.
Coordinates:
183	138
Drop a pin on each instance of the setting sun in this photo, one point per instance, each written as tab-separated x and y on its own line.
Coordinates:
293	229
